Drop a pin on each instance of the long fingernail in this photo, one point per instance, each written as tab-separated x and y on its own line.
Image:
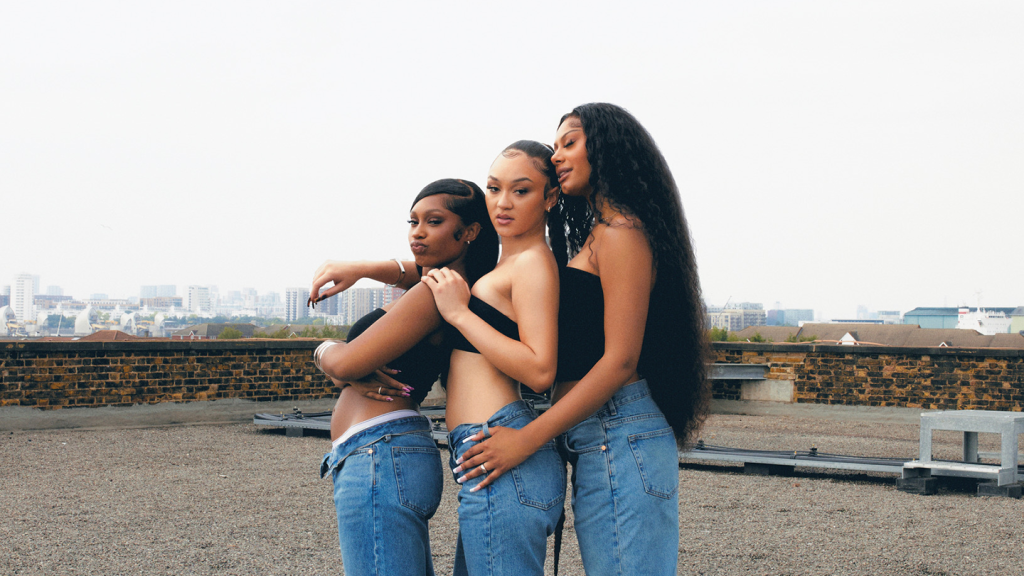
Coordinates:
457	469
389	398
459	460
461	479
467	439
409	388
474	488
406	394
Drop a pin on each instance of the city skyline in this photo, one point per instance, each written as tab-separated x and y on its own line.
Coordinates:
828	155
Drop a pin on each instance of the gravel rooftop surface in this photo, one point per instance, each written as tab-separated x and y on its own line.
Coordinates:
240	499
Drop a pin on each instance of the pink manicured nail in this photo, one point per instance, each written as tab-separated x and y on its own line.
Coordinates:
461	480
457	469
459	460
474	488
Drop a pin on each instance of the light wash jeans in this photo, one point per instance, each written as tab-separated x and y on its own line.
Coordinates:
503	529
387	485
625	472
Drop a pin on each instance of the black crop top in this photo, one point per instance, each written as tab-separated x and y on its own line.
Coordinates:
580	323
488	314
420	366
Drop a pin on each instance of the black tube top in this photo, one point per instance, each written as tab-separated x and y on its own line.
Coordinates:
488	314
420	366
580	323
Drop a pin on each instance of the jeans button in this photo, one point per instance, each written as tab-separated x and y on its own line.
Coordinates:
603	447
370	451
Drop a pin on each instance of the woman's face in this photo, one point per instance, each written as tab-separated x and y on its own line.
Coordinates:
570	158
515	195
437	236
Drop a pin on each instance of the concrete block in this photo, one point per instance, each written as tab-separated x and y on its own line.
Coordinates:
993	489
758	469
924	485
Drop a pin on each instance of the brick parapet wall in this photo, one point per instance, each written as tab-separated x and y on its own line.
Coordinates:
929	378
52	375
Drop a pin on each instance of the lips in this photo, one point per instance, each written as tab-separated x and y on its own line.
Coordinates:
418	247
503	219
563	173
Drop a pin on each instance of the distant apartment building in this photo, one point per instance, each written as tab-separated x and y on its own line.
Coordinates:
158	291
355	303
23	297
54	291
162	302
736	319
250	299
295	304
109	303
197	299
788	317
50	302
5	300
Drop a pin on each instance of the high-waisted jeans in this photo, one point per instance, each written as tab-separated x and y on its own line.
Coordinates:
387	485
625	472
503	528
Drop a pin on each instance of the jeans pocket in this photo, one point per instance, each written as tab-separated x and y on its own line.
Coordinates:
540	481
418	478
657	458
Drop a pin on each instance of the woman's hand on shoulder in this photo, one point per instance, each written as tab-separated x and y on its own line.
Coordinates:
451	293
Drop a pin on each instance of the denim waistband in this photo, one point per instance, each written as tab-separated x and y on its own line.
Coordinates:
626	395
505	414
409	425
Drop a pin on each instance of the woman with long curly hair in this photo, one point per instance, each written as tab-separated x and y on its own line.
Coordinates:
631	379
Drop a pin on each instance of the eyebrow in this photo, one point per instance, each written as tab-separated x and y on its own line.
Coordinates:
523	179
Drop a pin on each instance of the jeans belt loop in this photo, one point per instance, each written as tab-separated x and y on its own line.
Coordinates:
487	430
612	409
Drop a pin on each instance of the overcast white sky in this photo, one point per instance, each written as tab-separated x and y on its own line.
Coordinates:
829	154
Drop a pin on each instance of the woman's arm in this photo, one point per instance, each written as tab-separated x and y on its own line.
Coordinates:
530	360
411	319
344	274
625	264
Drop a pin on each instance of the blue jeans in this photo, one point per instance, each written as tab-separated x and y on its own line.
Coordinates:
387	484
503	529
625	472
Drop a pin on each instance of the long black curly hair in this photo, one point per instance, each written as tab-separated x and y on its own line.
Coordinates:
629	172
466	200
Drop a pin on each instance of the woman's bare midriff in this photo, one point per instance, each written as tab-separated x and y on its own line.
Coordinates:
353	408
476	390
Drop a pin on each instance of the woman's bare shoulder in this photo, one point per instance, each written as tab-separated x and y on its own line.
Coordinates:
538	260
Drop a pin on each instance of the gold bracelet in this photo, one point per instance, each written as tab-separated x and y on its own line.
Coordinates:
401	272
